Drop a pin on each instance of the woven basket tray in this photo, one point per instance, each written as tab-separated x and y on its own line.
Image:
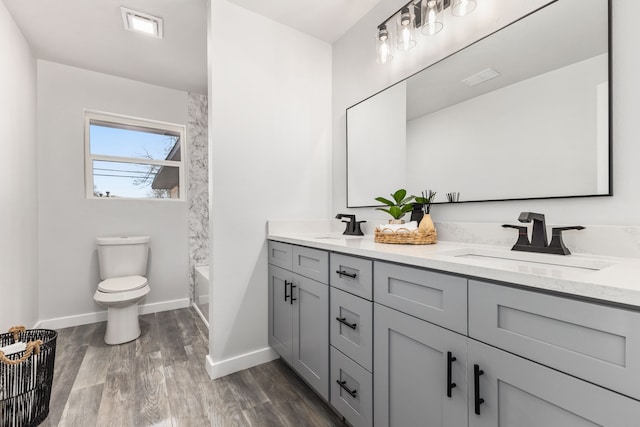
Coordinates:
406	238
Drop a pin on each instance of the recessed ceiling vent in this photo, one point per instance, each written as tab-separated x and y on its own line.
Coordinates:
481	77
142	22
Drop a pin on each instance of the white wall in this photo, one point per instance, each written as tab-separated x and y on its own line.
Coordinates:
357	76
69	223
18	179
270	125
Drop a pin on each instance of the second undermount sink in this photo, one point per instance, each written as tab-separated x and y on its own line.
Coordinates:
529	259
338	237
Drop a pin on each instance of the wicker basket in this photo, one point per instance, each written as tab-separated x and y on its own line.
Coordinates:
26	377
406	237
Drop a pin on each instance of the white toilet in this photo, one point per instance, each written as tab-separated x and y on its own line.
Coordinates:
123	265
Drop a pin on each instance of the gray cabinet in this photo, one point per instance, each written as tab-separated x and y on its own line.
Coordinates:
298	312
597	343
415	366
280	312
311	332
519	393
435	297
351	334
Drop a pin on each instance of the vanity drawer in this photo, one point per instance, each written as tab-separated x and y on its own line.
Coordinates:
357	406
598	343
352	274
311	263
356	342
435	297
280	254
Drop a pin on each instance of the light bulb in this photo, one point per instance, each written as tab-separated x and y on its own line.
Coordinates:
432	12
462	7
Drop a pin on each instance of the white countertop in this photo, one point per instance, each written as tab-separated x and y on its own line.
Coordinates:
618	282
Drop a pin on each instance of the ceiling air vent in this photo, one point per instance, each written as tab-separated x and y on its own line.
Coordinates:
141	22
481	77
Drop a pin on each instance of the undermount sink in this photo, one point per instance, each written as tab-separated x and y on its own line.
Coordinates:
529	259
338	237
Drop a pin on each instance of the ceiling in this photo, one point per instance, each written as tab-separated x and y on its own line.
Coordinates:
326	20
90	34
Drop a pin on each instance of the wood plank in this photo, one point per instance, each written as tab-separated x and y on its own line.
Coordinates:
118	394
151	402
148	342
93	370
82	407
222	406
263	415
170	339
246	389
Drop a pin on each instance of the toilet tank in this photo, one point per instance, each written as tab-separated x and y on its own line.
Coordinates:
123	256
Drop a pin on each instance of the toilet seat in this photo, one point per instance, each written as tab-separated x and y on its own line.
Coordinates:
122	284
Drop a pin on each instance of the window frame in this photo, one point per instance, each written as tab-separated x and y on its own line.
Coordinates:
122	122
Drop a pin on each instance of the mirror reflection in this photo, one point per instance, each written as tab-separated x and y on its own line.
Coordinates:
522	113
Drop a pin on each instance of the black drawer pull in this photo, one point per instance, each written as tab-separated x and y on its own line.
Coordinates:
476	387
343	385
343	320
450	385
286	283
344	273
292	299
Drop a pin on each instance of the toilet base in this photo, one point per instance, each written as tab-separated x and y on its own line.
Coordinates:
122	324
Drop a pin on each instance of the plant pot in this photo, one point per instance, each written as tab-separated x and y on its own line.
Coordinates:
396	221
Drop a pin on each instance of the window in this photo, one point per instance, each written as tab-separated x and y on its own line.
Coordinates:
130	158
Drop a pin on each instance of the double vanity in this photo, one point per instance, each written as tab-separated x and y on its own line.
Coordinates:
456	334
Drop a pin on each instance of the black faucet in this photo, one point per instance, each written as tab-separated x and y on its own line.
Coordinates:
539	236
353	227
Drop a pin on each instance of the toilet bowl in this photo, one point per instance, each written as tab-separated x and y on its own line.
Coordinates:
123	263
120	296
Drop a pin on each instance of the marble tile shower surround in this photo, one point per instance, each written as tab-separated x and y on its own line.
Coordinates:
198	191
602	240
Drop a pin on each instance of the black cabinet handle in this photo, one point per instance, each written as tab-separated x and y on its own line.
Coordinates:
450	385
286	283
291	298
476	387
343	320
344	273
343	385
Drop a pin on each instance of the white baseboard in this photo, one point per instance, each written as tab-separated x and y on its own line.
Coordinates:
101	316
203	299
238	363
202	316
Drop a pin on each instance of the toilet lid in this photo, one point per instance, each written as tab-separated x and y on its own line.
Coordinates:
122	284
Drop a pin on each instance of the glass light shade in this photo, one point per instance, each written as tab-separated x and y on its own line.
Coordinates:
462	7
405	31
432	17
383	45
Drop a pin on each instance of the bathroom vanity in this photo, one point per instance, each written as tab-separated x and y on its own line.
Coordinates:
457	334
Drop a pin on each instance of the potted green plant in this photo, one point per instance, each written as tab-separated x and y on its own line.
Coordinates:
398	207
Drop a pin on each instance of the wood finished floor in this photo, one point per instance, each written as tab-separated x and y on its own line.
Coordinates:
160	380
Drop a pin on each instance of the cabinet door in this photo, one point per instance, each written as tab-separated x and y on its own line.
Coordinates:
280	312
311	332
521	393
411	366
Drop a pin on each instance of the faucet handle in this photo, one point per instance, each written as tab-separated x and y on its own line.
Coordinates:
556	239
523	236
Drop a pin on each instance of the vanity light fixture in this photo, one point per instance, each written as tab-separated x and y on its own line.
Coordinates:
423	15
383	45
142	22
